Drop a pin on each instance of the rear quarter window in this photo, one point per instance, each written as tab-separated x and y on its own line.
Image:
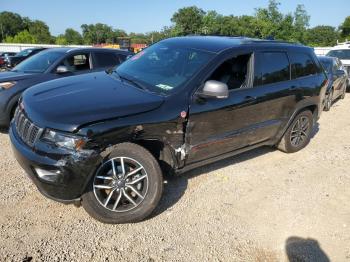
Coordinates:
303	65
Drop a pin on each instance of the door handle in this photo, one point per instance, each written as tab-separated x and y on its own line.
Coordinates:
249	98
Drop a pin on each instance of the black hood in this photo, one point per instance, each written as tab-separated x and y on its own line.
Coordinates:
65	104
15	76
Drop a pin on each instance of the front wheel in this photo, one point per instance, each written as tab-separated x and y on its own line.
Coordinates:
126	187
298	134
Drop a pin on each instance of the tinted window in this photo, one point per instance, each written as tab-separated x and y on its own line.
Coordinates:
106	59
327	64
341	54
271	67
302	65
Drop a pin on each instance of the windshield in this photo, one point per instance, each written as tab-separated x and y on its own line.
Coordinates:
163	69
341	54
38	63
24	52
327	64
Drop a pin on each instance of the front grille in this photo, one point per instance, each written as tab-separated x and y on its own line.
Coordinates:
26	130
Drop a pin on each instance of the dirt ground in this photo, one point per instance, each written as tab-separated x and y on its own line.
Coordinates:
263	205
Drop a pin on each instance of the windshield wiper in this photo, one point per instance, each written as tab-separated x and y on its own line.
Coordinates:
135	83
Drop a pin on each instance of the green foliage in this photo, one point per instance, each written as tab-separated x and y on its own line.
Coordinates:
345	28
22	37
61	40
322	36
188	20
40	31
72	37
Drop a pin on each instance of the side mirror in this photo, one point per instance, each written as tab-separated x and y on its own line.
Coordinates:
213	88
340	72
62	70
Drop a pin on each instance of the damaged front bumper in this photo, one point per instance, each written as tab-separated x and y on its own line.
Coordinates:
59	174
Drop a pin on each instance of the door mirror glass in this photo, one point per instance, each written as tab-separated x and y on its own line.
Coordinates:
62	69
213	88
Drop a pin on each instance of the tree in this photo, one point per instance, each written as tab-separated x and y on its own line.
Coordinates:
301	23
345	27
22	37
188	20
211	23
71	37
322	36
39	30
61	40
10	24
98	34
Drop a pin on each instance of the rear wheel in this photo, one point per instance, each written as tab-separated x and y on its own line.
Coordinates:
298	134
329	101
126	187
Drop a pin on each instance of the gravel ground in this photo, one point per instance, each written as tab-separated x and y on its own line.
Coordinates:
263	205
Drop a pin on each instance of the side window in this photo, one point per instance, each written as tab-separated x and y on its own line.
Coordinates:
77	62
302	65
271	67
106	59
233	72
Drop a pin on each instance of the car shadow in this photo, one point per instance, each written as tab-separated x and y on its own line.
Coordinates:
4	130
305	250
175	186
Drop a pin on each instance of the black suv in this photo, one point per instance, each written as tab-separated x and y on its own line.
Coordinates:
51	64
12	61
105	139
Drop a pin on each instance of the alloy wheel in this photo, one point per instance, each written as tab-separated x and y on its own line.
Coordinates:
120	184
300	131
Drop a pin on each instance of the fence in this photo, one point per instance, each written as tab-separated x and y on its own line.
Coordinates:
19	47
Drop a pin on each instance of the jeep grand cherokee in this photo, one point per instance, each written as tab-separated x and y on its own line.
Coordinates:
105	139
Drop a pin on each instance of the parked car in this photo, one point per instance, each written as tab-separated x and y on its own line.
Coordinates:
343	53
3	57
337	80
12	61
104	139
52	64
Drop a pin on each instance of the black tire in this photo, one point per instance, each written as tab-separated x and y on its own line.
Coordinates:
149	201
287	143
329	101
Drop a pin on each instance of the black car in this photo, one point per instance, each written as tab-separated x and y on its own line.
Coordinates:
337	80
51	64
12	61
105	139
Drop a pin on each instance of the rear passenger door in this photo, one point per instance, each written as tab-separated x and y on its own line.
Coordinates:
105	60
276	93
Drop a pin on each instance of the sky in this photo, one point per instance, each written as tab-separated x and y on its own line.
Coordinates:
148	15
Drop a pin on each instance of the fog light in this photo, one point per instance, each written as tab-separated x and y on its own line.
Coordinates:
48	175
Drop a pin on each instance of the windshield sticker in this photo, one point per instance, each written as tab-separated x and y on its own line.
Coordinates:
165	87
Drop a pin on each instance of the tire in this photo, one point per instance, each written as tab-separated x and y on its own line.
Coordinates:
287	143
344	93
100	203
329	101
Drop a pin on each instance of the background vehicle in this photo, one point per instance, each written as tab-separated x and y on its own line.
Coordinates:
179	104
3	57
343	53
337	77
51	64
12	61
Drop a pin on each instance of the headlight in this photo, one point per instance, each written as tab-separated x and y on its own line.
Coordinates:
7	85
63	140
